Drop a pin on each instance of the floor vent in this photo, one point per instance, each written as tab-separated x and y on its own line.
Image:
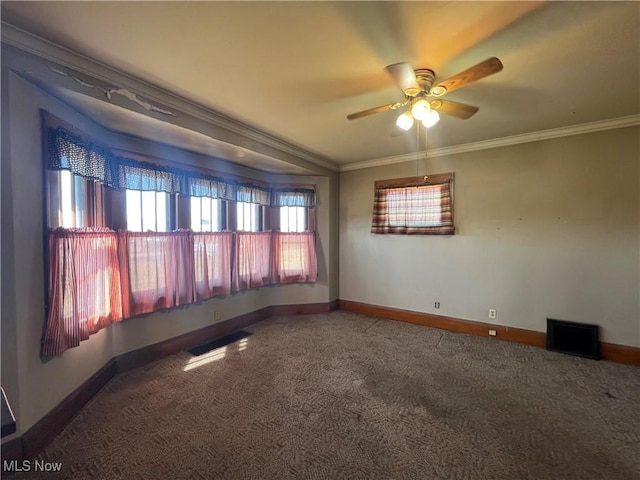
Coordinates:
579	339
220	342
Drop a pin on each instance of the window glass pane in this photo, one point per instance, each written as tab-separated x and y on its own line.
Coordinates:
247	217
66	200
71	198
147	211
196	215
79	190
284	219
216	206
293	219
162	217
134	210
205	214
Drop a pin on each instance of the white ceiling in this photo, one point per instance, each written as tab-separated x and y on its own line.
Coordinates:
294	70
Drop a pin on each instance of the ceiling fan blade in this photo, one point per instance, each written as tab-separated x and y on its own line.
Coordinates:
405	78
380	109
455	109
483	69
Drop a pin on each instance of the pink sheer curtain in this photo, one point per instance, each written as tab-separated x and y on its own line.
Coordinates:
212	264
295	257
156	270
251	260
98	277
84	287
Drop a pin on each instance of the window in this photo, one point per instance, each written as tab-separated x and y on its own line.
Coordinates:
72	196
248	217
295	256
147	211
293	219
418	206
74	202
206	214
115	249
414	206
294	208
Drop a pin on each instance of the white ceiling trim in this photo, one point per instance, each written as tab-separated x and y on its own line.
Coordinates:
621	122
60	55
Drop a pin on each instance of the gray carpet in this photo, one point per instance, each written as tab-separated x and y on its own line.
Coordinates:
344	396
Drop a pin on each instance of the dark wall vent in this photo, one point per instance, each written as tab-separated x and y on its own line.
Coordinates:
573	338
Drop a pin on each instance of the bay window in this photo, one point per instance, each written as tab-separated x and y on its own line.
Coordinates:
115	251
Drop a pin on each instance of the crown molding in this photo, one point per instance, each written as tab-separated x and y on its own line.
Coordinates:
52	52
622	122
55	53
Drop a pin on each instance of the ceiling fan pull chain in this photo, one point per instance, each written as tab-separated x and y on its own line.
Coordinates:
426	148
417	151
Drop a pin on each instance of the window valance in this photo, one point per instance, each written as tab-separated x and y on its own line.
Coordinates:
68	151
293	197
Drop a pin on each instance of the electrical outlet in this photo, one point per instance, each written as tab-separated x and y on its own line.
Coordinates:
493	313
436	305
492	333
216	315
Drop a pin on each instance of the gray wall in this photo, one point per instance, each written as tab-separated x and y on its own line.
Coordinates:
544	229
35	387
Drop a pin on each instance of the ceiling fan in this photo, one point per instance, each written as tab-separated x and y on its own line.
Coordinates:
422	96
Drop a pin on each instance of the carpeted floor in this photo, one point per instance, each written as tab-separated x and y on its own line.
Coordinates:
344	396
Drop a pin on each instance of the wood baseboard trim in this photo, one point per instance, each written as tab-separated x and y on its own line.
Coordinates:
620	353
609	351
40	435
152	353
519	335
304	309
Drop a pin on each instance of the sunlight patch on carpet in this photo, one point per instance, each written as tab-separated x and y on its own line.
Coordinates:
212	356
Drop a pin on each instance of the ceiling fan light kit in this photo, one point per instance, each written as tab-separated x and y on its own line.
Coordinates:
431	119
405	121
420	108
418	84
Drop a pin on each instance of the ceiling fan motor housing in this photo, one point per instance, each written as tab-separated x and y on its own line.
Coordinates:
425	78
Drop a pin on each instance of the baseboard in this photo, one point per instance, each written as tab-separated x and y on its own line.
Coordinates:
158	351
40	435
609	351
304	309
620	353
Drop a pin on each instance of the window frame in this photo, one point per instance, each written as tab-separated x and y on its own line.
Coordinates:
221	215
93	199
260	220
380	216
305	220
169	207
